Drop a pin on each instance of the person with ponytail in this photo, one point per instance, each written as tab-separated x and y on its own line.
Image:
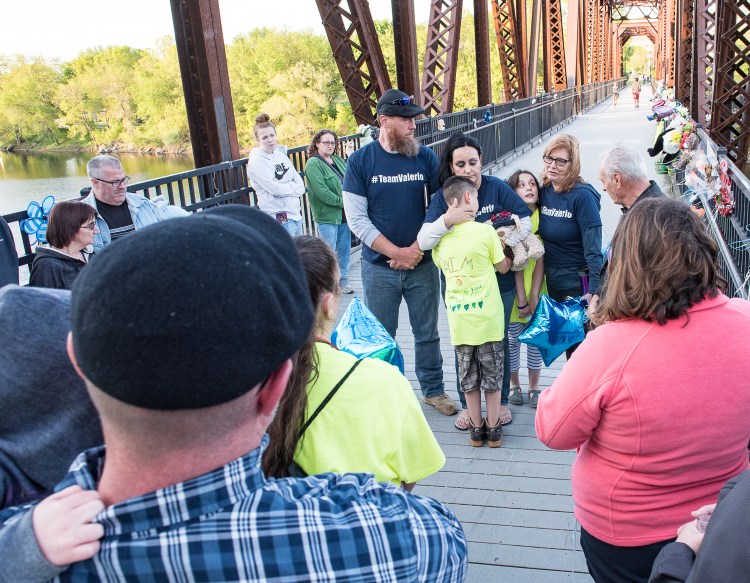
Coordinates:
339	414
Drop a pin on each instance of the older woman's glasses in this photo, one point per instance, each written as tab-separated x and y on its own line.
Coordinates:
559	162
90	226
327	142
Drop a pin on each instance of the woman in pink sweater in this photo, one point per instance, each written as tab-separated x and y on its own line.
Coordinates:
657	399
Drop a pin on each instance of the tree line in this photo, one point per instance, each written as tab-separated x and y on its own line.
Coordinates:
133	96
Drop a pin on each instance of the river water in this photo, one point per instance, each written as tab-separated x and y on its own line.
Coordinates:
32	176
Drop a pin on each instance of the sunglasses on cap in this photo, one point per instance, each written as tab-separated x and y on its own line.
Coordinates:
401	101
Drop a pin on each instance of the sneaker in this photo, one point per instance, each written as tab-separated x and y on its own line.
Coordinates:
443	403
477	433
516	396
346	290
533	398
494	434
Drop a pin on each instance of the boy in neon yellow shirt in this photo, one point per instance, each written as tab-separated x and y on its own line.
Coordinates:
468	257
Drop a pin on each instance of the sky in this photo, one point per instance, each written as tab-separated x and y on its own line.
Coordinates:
60	29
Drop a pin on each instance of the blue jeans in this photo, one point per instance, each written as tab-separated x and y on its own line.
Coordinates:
339	238
384	287
508	298
294	228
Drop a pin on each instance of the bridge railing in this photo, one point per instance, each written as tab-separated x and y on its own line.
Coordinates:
511	126
731	232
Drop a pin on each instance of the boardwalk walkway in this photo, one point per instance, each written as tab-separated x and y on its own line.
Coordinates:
515	502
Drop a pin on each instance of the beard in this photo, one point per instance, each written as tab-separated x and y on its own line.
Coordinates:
405	145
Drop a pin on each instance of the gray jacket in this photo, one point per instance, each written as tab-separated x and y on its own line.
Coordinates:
143	211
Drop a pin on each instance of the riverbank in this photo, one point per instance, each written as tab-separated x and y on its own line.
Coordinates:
115	148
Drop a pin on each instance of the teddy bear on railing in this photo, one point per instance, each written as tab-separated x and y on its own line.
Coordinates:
531	247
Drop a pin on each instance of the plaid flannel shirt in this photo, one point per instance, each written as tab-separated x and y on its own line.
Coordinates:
233	524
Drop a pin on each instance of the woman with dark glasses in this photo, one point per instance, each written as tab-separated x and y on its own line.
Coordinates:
570	224
70	233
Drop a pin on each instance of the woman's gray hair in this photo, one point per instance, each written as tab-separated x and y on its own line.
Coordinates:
626	162
98	162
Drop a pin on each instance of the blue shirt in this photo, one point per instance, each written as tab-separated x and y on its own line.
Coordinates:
397	190
494	196
232	524
564	219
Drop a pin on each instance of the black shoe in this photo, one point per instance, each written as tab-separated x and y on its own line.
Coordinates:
477	433
494	434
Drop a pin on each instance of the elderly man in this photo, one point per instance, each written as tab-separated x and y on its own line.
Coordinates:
204	335
386	187
624	177
120	212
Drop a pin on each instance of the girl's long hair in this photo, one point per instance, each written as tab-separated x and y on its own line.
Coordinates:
319	263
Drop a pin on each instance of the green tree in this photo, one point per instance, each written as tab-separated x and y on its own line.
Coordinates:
157	97
289	75
28	111
96	99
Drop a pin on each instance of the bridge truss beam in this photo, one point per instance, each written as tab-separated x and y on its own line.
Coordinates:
441	56
730	110
510	48
555	71
356	50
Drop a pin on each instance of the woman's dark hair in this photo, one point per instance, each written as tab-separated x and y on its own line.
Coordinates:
513	179
663	262
312	149
65	218
455	142
319	263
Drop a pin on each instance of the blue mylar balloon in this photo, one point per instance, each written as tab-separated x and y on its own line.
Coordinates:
555	326
360	333
36	224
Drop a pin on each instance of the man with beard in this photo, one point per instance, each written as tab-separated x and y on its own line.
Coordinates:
386	188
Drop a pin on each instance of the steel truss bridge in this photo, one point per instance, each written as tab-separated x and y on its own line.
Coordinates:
701	48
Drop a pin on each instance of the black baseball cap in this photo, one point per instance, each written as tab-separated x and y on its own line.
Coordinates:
399	104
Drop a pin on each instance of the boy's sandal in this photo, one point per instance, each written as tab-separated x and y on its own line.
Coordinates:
533	397
462	422
516	396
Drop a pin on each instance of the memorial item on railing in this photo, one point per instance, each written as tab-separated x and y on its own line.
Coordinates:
505	224
36	225
360	333
723	198
555	326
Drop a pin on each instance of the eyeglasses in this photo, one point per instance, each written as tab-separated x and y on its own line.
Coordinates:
327	143
559	162
401	101
90	226
114	183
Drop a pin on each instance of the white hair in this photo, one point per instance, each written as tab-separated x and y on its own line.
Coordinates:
626	162
99	162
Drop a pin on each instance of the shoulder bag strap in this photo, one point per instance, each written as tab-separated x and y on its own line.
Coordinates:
328	398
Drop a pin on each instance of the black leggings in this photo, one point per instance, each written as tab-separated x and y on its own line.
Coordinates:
611	564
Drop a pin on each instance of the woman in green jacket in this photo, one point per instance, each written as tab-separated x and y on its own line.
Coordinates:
325	176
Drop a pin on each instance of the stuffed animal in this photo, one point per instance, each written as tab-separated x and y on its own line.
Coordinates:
529	248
